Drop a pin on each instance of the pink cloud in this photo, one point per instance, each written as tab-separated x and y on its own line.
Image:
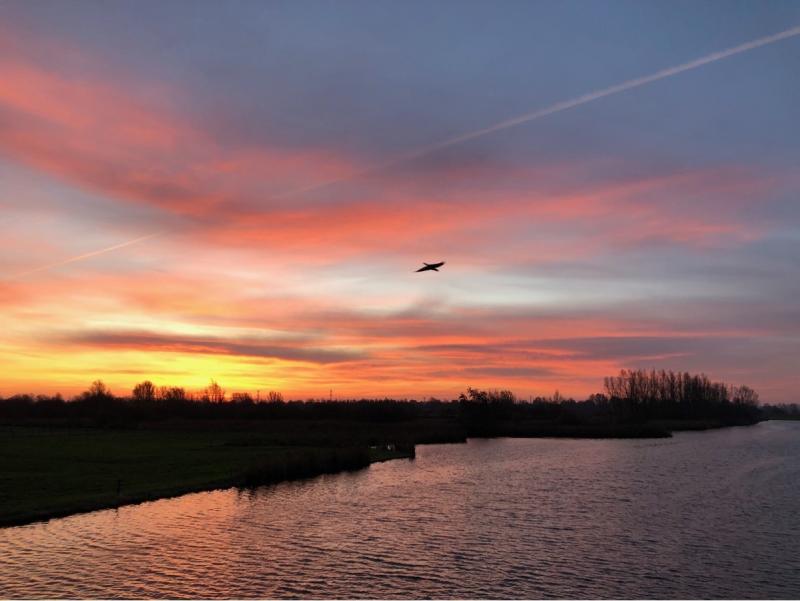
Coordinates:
110	136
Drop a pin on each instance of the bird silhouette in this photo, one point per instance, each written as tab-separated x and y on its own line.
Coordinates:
430	267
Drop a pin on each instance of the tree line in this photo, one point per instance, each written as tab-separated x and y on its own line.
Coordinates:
633	396
675	395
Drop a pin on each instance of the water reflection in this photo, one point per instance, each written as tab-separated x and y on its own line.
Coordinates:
700	515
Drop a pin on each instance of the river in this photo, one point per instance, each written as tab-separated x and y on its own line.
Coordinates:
701	515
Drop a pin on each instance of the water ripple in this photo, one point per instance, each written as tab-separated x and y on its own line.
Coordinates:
706	515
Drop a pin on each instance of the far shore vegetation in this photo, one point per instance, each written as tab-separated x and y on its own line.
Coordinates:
100	450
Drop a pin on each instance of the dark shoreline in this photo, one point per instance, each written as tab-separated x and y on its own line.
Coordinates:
297	463
179	491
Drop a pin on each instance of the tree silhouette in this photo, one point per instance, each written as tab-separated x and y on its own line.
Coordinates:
98	391
214	393
144	391
172	394
632	398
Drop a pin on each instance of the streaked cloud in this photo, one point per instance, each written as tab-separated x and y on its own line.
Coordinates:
655	227
207	345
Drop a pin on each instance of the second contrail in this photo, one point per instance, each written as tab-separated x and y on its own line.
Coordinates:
88	255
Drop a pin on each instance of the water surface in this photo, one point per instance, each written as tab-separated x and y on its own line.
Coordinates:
707	514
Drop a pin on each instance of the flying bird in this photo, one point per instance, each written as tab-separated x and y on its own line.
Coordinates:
430	267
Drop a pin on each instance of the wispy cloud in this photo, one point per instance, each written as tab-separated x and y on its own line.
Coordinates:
591	244
27	94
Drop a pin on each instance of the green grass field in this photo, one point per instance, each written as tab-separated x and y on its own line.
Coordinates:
54	472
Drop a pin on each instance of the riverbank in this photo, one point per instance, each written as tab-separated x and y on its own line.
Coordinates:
53	468
55	472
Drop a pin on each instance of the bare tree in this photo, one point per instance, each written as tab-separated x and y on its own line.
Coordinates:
172	393
144	391
98	391
214	393
242	397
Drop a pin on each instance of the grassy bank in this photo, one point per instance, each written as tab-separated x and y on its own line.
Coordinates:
51	472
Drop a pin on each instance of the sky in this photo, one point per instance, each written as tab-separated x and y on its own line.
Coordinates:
242	191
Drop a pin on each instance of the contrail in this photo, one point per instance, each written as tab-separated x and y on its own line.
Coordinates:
554	108
506	124
88	255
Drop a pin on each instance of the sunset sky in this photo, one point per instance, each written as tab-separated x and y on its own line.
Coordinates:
243	190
